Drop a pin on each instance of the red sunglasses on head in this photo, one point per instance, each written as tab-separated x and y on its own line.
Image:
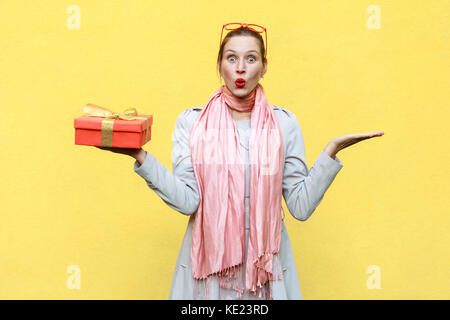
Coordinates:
250	26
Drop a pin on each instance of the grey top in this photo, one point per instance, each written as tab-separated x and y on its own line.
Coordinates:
303	191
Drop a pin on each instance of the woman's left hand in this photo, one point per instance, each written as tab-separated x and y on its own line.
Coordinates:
342	142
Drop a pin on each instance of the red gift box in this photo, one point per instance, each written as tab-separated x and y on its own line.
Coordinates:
104	128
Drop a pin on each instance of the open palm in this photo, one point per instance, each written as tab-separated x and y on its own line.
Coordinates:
350	139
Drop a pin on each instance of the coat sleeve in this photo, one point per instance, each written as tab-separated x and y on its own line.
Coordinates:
303	189
178	190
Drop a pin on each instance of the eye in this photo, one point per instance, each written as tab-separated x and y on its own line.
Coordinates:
253	59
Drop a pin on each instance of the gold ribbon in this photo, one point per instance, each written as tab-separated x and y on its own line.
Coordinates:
93	110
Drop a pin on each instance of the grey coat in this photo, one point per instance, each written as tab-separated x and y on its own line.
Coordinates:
302	189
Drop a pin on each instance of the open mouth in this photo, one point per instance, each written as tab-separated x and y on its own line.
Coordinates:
240	82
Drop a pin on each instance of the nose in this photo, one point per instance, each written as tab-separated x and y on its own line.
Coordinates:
240	66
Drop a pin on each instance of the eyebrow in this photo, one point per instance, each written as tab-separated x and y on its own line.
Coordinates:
247	51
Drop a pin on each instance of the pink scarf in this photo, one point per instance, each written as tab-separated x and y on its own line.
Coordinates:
218	236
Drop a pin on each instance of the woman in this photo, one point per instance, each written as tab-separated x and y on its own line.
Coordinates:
232	161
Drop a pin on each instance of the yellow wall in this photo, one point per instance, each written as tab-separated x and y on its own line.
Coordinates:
65	205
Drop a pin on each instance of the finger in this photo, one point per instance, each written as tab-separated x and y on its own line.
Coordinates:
357	136
368	135
374	134
350	142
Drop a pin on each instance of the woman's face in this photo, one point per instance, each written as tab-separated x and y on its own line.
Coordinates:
242	59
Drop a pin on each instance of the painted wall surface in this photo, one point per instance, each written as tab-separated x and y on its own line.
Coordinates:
76	222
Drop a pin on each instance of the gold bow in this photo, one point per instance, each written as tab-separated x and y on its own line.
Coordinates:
93	110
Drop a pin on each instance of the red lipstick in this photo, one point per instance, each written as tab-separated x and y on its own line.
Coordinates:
240	83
